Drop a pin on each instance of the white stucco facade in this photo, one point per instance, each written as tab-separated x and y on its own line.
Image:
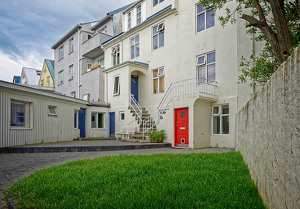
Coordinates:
178	57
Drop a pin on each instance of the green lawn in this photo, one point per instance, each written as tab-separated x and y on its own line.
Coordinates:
142	181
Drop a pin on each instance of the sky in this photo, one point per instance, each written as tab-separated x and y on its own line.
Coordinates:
28	28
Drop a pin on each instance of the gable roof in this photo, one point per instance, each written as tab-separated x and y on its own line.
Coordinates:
50	65
32	75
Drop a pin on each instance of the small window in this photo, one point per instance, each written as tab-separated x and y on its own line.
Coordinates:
158	80
48	81
60	52
116	85
52	110
138	15
71	72
89	66
97	120
103	30
86	97
220	119
45	69
71	45
101	62
135	46
158	36
122	115
61	77
205	18
73	94
155	2
42	82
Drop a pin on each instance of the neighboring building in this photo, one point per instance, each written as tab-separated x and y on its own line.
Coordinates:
16	79
181	66
47	75
29	116
30	76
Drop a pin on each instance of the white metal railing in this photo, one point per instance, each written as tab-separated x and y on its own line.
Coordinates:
134	125
179	90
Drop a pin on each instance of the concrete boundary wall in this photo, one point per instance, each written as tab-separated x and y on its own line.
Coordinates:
268	136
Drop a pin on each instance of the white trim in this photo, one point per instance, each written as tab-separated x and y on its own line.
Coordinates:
220	114
114	80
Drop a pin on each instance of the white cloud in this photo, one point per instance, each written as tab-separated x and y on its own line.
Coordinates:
11	65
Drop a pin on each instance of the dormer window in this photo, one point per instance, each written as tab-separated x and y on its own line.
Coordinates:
139	15
129	20
156	2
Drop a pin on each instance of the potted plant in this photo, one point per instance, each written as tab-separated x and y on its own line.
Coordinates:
161	136
153	136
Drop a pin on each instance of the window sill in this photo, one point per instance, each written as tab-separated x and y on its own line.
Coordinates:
70	52
60	84
20	128
102	129
60	59
115	95
71	79
55	115
220	134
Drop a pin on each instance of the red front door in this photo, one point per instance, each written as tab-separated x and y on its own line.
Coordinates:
182	127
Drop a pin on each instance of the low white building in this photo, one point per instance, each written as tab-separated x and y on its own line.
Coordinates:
181	68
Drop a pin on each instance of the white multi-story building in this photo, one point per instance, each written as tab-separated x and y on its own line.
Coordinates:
176	68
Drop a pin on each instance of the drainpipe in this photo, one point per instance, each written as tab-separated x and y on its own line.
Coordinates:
113	25
78	66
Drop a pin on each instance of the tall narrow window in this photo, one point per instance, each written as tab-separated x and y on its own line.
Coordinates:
71	45
61	77
158	80
205	18
116	85
60	52
129	20
48	81
75	119
220	119
116	55
135	47
139	15
158	36
206	67
71	72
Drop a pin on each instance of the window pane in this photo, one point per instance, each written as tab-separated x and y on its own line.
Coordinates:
155	2
17	114
132	41
211	57
155	42
200	8
52	110
100	120
155	73
183	114
216	110
93	120
161	84
225	124
211	73
161	39
225	109
202	73
201	22
137	39
201	60
132	52
137	50
161	71
116	85
155	86
210	18
155	30
216	125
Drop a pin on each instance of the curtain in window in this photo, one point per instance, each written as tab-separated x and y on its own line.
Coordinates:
17	114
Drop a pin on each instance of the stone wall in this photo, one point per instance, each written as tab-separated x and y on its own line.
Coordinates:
268	136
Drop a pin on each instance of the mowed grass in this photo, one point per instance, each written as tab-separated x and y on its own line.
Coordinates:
142	181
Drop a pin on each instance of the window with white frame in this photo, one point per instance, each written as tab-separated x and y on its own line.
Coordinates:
116	55
155	2
48	81
61	77
75	118
101	62
103	30
60	52
97	120
205	18
158	80
73	94
42	82
139	15
206	67
20	116
71	72
135	46
220	119
122	115
158	36
86	97
71	45
116	85
129	20
52	110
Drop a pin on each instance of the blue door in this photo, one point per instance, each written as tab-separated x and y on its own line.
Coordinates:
135	86
111	123
81	122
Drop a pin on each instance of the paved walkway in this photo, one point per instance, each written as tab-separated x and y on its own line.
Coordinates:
17	166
